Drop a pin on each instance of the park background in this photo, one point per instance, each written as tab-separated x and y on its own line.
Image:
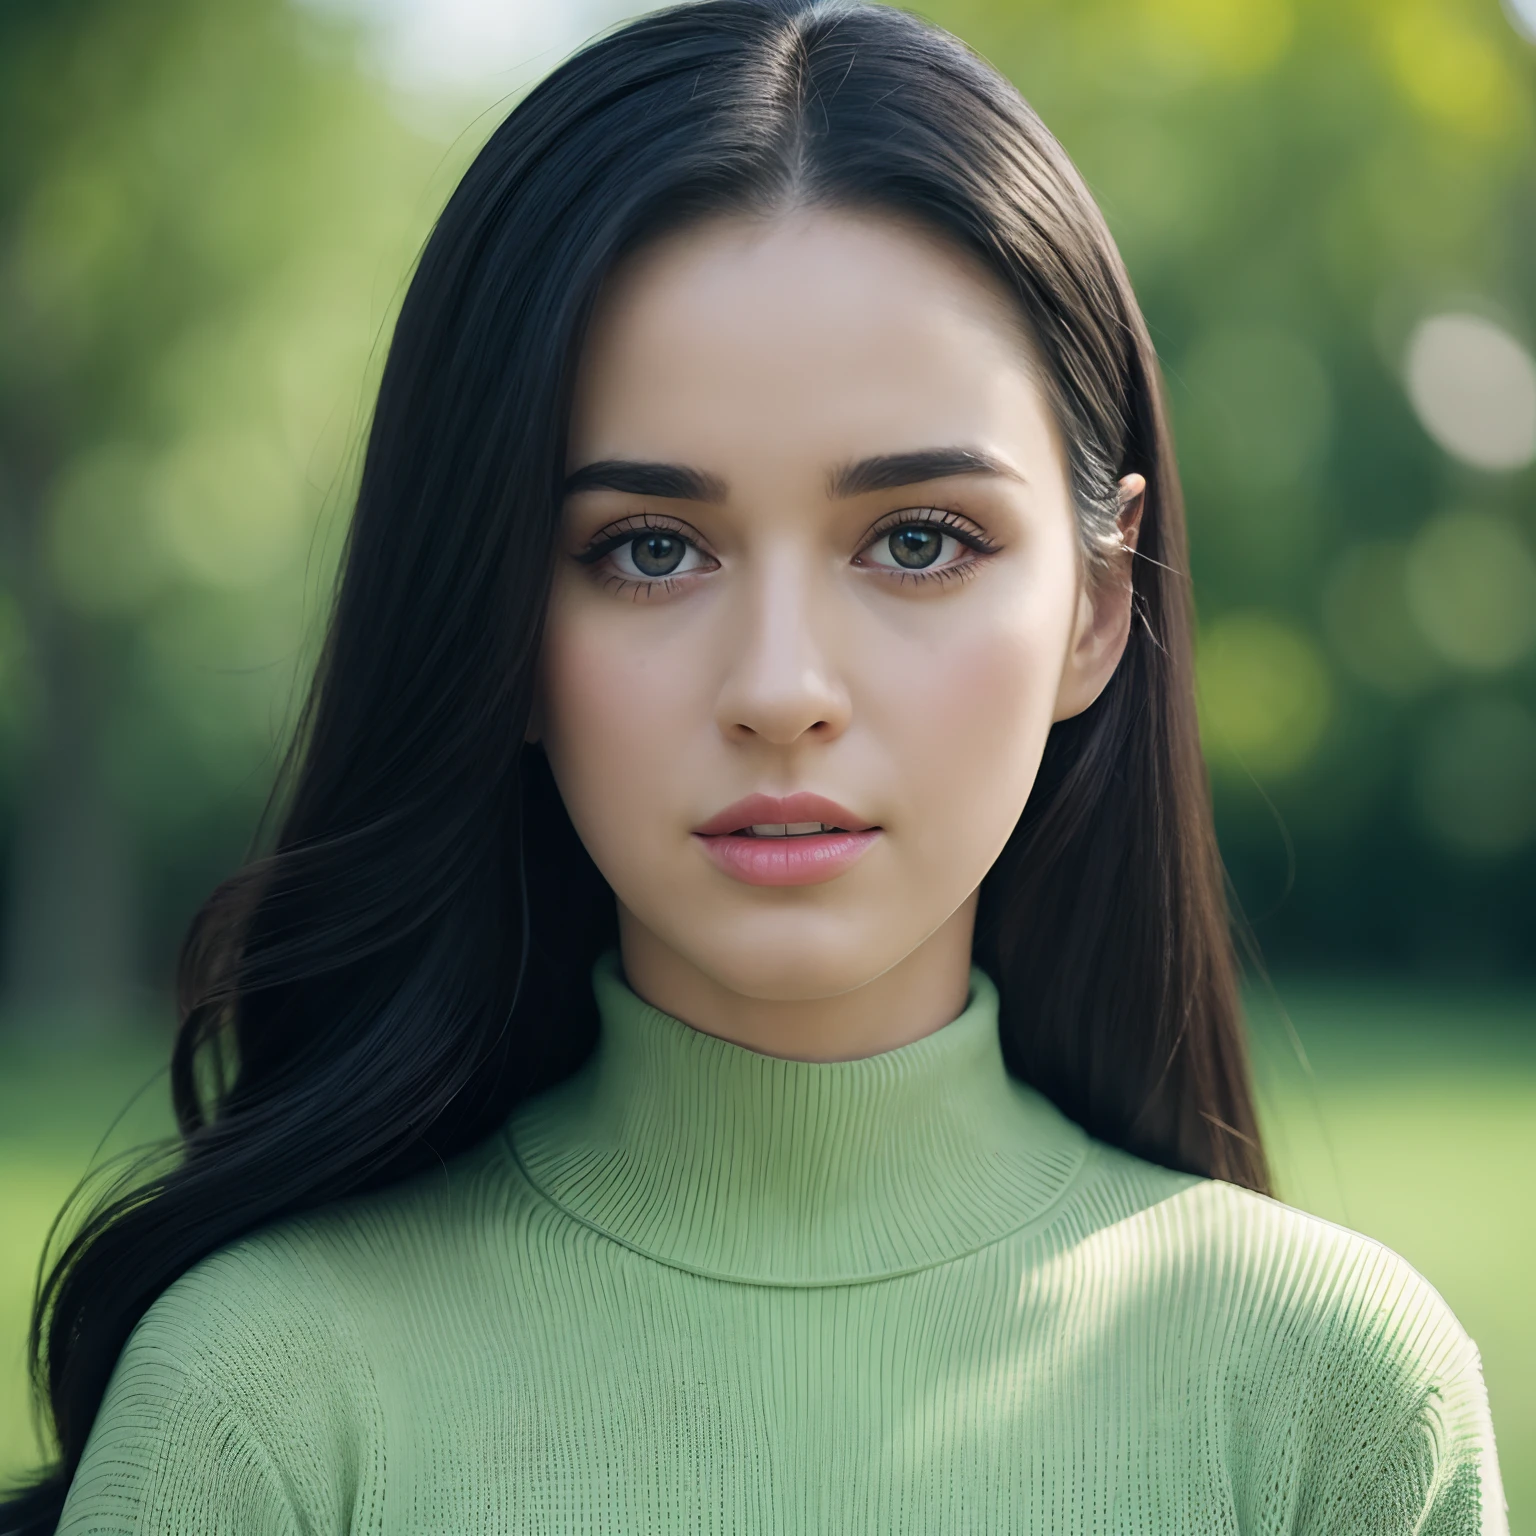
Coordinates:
207	213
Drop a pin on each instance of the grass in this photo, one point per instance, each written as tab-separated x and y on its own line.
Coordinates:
60	1105
1404	1114
1416	1123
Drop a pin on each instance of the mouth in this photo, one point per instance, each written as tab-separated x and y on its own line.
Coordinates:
800	839
802	814
786	829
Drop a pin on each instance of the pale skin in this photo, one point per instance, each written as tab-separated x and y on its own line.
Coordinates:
790	649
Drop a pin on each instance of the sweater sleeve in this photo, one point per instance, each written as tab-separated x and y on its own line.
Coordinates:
1437	1475
241	1404
1409	1448
169	1453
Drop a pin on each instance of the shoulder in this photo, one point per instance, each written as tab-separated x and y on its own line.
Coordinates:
1302	1284
303	1277
257	1369
321	1291
1338	1371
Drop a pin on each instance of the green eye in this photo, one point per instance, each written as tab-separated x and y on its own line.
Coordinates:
657	554
914	547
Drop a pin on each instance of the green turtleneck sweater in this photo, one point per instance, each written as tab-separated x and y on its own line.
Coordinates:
700	1289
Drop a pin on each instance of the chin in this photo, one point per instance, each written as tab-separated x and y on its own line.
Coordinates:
778	967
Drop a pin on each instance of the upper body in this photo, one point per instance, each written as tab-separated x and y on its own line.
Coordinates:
697	1288
768	559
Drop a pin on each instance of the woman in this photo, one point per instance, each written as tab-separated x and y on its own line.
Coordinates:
737	1030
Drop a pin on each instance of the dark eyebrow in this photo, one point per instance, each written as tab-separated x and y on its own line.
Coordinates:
891	471
639	477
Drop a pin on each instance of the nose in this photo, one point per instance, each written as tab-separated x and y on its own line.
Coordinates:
781	683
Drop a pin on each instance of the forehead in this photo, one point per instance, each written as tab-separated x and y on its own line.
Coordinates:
806	337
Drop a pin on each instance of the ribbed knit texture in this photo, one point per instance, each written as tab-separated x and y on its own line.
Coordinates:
698	1289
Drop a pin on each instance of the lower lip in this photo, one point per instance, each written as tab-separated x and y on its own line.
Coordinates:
805	860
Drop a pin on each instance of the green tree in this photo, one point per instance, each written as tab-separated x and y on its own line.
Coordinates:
1296	184
205	212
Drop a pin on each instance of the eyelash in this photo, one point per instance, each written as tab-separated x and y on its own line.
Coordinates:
623	532
629	528
962	531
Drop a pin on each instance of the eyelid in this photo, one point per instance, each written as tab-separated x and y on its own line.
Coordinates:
619	532
622	530
952	522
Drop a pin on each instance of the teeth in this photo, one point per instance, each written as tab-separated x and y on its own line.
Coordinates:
790	828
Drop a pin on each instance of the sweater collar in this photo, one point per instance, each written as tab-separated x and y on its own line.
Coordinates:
715	1158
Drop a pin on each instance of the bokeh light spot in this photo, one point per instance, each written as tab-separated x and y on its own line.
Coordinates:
1474	388
1453	73
1476	777
1230	37
436	45
1263	405
1370	624
100	551
227	508
1522	17
1471	587
1265	694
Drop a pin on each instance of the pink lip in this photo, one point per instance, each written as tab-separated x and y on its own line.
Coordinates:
791	860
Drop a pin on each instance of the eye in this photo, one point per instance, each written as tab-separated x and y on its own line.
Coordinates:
656	553
639	552
925	541
915	547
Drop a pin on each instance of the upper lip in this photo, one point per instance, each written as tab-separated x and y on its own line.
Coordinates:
770	810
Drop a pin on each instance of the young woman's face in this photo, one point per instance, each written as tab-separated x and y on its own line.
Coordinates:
819	568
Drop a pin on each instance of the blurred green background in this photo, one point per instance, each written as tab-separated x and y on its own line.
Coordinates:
1329	210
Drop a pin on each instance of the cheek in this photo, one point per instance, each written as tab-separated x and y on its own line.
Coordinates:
614	715
1000	692
967	713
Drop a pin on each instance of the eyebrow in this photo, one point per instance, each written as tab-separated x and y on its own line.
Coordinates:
882	472
891	471
639	477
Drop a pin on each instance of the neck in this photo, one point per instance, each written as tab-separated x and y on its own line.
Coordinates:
736	1164
800	1021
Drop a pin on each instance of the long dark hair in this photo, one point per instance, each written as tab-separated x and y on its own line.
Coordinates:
410	958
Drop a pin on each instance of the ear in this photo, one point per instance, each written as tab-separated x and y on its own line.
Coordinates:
1103	612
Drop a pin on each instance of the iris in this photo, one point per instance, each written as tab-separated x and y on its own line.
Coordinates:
915	547
657	554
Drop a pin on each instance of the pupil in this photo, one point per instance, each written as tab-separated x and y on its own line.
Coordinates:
916	547
657	554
